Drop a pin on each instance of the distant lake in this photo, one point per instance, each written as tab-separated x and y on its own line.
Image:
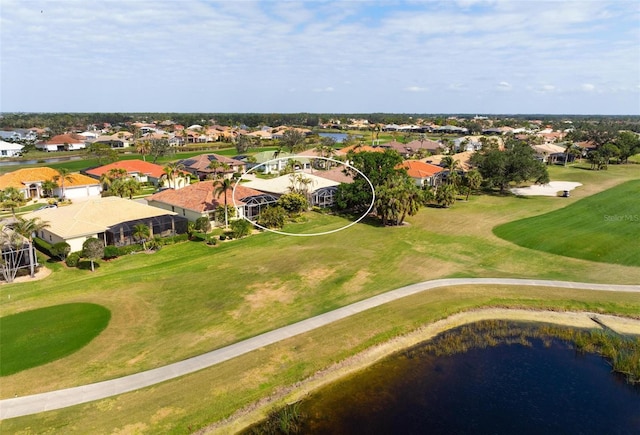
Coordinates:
43	161
338	137
541	388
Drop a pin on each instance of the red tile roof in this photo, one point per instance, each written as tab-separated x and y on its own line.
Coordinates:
418	169
131	166
65	138
200	196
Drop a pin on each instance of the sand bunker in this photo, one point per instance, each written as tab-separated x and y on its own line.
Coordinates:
550	189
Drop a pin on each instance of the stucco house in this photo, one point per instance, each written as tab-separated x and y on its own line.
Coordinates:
201	166
199	200
30	180
63	142
423	174
109	219
8	149
144	172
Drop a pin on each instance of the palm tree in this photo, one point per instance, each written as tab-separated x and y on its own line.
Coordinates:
141	232
48	186
451	165
172	170
64	174
567	150
143	148
221	187
27	228
12	198
111	175
130	187
473	180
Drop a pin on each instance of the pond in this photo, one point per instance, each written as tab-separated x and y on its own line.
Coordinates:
532	386
42	161
338	137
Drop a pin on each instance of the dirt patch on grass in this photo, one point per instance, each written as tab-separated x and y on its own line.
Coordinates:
357	283
315	276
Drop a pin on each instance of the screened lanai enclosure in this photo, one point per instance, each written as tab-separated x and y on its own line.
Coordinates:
253	205
324	197
163	226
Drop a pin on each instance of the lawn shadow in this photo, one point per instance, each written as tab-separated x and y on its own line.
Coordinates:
86	265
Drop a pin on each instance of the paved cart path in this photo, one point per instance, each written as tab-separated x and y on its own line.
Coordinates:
27	405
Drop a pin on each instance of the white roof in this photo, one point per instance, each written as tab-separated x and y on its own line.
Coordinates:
281	185
10	146
94	215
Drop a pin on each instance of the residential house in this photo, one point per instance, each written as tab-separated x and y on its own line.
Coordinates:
414	147
117	140
320	190
111	219
200	200
29	181
424	174
274	162
211	165
63	142
143	172
9	149
19	134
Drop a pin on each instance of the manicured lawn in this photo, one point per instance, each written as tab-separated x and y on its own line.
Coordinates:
190	298
32	338
604	227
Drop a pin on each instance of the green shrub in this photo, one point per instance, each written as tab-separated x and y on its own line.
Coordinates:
199	237
223	237
273	217
60	250
43	246
241	228
128	249
203	224
111	251
212	241
73	259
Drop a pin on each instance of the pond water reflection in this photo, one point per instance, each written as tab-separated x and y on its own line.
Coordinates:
541	386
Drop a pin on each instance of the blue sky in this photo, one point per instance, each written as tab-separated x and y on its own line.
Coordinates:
571	57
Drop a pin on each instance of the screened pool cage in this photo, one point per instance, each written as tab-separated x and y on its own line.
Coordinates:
163	226
253	205
324	197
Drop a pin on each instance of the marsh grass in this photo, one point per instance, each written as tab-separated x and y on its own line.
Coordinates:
623	353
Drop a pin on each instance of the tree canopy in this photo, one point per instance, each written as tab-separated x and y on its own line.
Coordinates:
516	164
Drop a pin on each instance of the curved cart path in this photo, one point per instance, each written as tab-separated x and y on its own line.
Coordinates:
27	405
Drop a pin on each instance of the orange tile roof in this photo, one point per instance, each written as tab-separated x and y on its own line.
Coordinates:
200	196
418	169
20	178
131	166
65	138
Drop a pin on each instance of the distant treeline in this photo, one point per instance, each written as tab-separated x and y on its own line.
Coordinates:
59	122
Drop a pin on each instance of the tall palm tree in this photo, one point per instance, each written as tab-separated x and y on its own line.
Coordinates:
111	175
27	228
64	174
221	187
143	148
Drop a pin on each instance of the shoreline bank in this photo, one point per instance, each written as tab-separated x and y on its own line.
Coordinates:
258	411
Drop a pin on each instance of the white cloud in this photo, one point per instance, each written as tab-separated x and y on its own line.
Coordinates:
327	89
588	87
227	52
416	89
